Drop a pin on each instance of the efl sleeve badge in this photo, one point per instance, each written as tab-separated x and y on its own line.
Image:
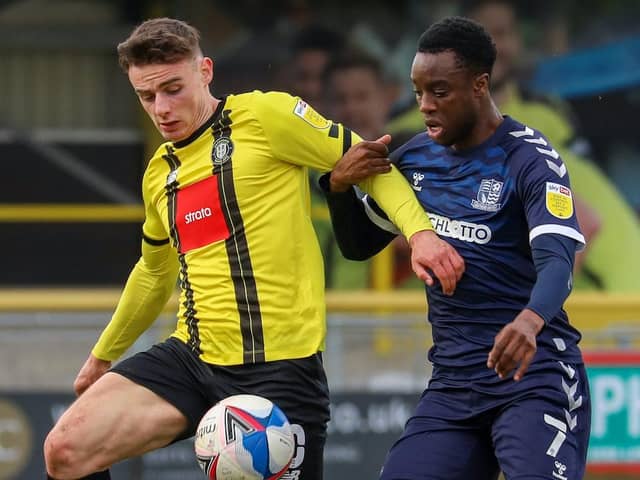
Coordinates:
559	201
309	115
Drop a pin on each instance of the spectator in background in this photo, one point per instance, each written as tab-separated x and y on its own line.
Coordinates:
312	48
357	94
360	95
612	258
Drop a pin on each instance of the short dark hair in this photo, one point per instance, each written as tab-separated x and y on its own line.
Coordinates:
354	59
470	42
159	40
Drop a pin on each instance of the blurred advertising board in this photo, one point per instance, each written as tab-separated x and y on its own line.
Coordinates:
614	378
363	428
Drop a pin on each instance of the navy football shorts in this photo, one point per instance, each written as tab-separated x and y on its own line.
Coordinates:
299	387
533	429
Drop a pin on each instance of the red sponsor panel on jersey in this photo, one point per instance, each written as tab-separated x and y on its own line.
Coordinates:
199	217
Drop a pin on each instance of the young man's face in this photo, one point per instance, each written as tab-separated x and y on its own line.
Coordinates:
175	95
358	99
447	95
306	78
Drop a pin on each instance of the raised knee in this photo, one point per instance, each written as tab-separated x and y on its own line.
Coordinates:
59	457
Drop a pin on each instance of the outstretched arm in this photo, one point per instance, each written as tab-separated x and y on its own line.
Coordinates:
359	239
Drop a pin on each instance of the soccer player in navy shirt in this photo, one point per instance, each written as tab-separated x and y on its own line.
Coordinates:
509	390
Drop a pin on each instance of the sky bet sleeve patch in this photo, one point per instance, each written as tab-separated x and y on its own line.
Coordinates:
559	201
309	115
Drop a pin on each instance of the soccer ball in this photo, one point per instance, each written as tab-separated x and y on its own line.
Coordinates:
244	437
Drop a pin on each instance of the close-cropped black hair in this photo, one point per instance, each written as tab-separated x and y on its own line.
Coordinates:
470	42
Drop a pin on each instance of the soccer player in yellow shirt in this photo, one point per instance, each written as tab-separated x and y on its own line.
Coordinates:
227	213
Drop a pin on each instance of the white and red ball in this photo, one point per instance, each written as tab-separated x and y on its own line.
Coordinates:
244	437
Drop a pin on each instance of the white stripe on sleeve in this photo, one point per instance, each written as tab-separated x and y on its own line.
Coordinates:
560	230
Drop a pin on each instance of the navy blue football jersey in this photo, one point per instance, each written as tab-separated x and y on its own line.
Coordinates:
489	202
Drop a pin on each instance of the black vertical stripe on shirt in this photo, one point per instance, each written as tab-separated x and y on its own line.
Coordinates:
237	247
189	304
171	189
346	139
334	131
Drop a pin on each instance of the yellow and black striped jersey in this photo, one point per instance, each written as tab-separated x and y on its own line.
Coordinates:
232	203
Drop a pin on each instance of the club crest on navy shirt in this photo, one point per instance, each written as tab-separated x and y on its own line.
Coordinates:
417	181
488	195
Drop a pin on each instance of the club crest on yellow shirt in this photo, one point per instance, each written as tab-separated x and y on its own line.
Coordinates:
222	150
309	115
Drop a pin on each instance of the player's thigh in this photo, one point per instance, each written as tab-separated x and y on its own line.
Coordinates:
545	434
435	446
116	419
175	373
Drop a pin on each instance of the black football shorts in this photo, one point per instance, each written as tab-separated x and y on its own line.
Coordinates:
298	386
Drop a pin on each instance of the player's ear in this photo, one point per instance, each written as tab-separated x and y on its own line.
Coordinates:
481	84
206	69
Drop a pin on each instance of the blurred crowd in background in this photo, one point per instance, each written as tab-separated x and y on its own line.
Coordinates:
568	68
